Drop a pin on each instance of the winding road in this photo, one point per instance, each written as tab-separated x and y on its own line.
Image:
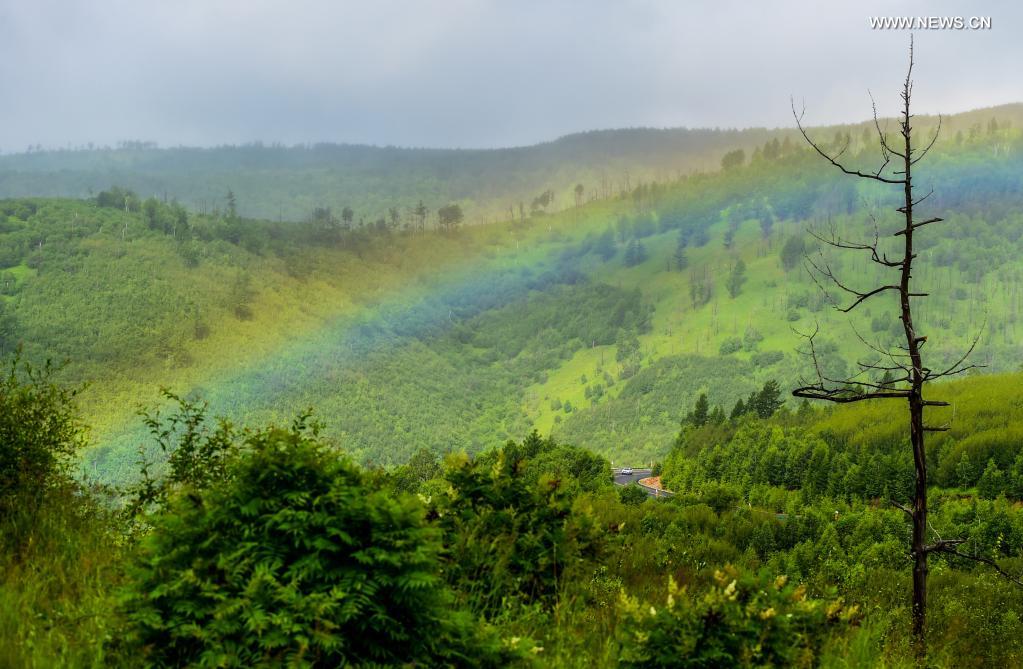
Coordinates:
635	477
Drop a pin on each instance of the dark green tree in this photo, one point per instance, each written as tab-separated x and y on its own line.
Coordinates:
449	217
736	278
733	159
992	481
792	252
679	259
717	416
768	400
700	413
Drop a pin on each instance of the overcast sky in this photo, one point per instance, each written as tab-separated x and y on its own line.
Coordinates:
471	73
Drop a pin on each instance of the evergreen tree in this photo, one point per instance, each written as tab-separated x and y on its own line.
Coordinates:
641	253
768	400
1014	480
698	416
635	253
736	278
679	260
232	205
717	416
792	252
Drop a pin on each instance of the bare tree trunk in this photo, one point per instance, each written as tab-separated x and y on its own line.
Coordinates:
919	548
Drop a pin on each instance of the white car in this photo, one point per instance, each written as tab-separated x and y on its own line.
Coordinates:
627	471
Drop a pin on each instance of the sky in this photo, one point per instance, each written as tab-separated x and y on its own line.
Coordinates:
472	73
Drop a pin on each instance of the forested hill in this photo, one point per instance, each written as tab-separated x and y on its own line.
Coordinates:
600	324
279	182
288	183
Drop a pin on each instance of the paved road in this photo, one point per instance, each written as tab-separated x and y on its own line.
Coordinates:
634	477
626	479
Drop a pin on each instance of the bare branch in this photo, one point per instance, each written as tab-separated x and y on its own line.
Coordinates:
825	270
927	149
920	225
957	368
837	242
831	159
901	507
946	548
886	150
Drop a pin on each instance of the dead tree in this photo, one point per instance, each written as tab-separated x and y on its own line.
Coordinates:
903	366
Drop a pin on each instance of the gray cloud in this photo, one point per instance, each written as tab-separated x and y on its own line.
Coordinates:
469	72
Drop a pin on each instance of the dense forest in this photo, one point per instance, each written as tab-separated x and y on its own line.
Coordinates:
373	439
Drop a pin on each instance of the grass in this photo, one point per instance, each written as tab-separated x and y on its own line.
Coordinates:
58	600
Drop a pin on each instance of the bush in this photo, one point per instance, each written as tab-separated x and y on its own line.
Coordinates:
296	560
632	494
39	433
767	358
510	532
741	622
730	345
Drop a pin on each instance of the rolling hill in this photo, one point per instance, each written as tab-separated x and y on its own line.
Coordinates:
580	323
288	183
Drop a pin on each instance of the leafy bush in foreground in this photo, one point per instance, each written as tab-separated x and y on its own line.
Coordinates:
39	433
297	560
741	621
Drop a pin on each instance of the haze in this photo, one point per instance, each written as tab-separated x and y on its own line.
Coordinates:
468	74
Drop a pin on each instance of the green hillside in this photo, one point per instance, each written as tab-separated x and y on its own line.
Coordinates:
581	323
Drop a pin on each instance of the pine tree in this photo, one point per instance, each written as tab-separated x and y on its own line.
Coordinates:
717	416
768	400
736	278
679	259
698	416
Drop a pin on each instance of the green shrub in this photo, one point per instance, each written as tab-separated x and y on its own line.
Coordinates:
510	532
39	433
632	495
730	345
297	559
742	621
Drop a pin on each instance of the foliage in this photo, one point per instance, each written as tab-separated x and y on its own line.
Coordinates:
40	433
742	621
190	453
510	532
299	559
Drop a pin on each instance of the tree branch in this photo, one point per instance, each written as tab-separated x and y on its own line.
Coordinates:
876	176
946	548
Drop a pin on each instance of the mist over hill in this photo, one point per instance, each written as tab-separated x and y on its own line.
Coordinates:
289	182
